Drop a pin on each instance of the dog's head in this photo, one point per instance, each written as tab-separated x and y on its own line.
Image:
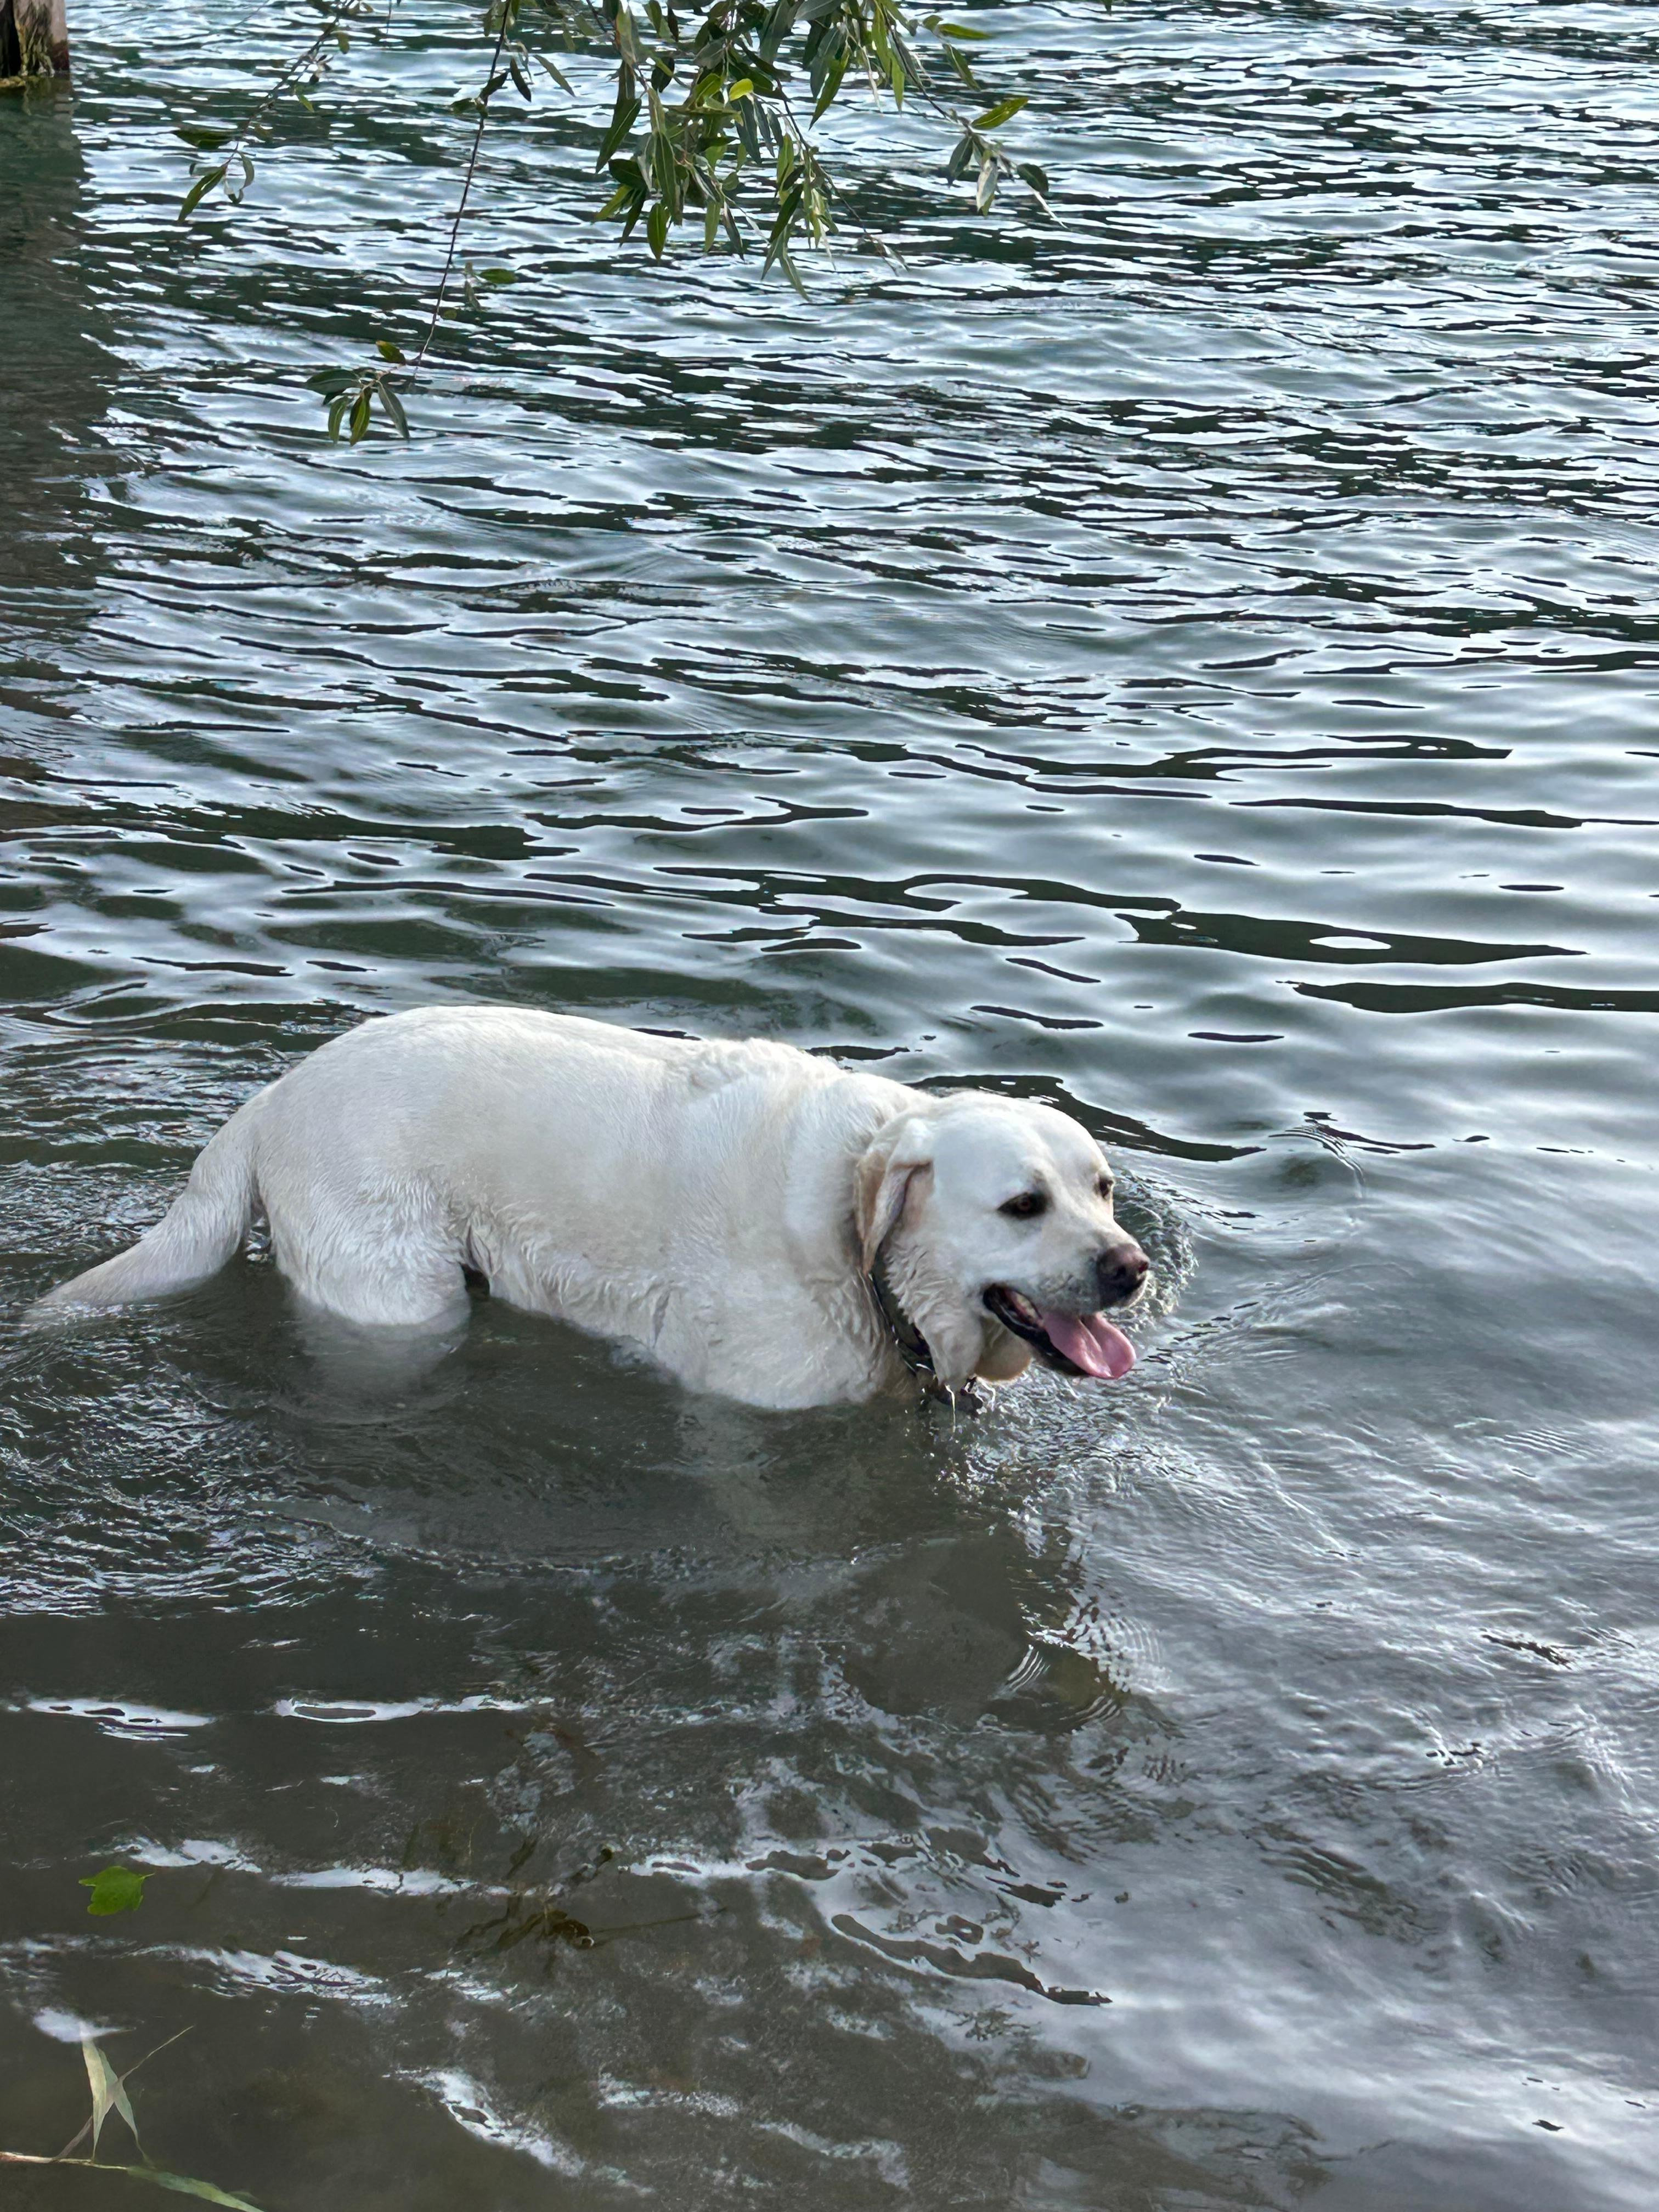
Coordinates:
993	1220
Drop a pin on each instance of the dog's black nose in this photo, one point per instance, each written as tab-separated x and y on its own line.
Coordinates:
1120	1273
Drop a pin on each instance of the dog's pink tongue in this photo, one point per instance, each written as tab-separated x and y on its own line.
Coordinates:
1091	1342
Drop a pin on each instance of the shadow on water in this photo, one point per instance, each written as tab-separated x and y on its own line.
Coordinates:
691	1822
57	372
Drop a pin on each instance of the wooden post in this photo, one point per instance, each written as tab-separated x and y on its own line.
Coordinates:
34	39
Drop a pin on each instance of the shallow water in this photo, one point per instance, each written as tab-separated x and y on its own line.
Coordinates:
1195	663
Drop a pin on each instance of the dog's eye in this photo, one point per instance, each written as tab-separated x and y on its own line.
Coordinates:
1106	1187
1026	1206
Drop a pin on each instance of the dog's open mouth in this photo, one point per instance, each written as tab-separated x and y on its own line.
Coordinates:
1076	1344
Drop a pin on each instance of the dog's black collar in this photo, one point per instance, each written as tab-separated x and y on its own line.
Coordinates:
908	1341
914	1349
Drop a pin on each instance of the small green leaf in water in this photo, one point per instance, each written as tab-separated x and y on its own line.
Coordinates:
114	1889
108	2095
187	2185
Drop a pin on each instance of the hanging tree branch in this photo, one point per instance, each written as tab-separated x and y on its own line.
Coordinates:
704	124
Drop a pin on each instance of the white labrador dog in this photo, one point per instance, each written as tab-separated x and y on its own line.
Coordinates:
763	1224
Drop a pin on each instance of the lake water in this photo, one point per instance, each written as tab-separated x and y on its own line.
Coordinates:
1196	662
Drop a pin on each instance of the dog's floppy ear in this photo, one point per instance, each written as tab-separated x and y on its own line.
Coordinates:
881	1181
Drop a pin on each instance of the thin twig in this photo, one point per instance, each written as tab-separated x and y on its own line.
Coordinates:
250	121
508	12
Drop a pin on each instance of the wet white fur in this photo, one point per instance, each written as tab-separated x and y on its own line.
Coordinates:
714	1203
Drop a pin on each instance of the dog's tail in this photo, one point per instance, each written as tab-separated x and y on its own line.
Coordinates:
204	1225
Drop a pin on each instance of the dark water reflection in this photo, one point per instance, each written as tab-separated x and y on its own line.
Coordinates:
1235	1789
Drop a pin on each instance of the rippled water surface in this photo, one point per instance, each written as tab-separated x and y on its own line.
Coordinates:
1194	661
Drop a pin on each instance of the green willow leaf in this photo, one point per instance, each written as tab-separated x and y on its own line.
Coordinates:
994	118
622	119
832	78
199	190
779	24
